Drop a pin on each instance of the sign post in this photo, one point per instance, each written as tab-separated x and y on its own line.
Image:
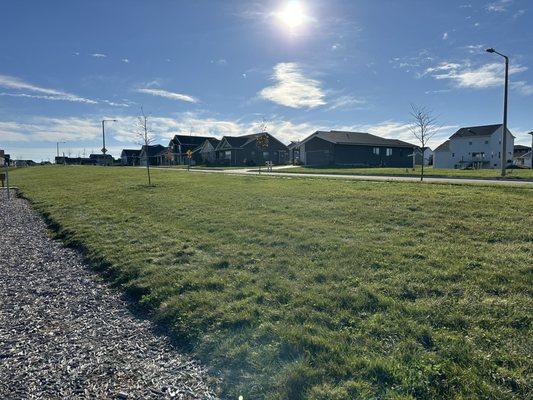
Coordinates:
5	176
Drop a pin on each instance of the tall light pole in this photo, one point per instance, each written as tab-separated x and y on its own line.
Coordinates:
104	150
504	133
531	133
57	147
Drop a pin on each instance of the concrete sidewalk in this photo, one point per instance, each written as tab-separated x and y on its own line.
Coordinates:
381	178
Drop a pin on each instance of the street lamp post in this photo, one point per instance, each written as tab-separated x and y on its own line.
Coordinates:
57	147
531	133
504	133
104	150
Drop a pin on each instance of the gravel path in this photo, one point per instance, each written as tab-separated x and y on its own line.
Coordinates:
65	335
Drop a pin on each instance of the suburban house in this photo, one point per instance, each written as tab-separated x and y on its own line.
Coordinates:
130	157
102	159
155	154
207	152
518	152
294	152
356	149
426	157
474	147
247	150
75	160
180	144
524	160
24	163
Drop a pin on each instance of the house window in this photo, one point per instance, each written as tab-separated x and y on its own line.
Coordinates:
265	154
375	150
389	152
486	142
227	155
453	154
470	143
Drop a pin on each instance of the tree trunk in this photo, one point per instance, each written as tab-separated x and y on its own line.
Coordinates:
148	171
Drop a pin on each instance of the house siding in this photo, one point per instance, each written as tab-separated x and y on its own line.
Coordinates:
317	151
483	151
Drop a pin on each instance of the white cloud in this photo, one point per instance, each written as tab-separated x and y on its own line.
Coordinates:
14	83
466	76
293	89
523	87
98	55
499	6
345	101
168	95
474	48
445	36
126	60
44	129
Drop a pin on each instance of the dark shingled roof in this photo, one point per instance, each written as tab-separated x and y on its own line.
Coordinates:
154	150
476	131
189	140
358	138
521	147
236	141
444	146
130	153
241	141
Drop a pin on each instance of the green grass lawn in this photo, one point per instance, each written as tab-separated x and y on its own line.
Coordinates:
428	171
294	288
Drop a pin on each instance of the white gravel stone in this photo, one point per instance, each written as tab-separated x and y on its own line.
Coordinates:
64	334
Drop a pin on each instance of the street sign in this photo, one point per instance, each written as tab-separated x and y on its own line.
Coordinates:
104	150
189	153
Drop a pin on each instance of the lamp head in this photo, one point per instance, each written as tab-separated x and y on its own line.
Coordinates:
490	50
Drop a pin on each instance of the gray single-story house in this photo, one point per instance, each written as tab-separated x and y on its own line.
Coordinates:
156	154
355	149
130	157
246	150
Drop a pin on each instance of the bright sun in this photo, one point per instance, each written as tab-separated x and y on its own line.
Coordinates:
293	15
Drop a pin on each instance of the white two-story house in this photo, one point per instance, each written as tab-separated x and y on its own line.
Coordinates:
474	147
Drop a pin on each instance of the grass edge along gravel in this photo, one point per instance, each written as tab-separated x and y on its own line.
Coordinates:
326	310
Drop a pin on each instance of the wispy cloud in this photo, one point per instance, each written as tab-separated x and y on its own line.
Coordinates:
445	36
44	129
125	60
38	92
523	87
293	89
168	95
345	101
466	76
499	6
98	55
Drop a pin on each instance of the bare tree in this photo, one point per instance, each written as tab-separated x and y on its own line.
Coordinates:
263	125
423	127
145	137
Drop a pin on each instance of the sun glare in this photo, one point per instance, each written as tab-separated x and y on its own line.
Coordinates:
293	15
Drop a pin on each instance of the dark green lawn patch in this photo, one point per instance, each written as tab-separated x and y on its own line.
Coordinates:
316	289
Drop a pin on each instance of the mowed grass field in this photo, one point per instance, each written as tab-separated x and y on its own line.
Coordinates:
301	288
428	172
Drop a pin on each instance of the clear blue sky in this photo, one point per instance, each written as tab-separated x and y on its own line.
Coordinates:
220	67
